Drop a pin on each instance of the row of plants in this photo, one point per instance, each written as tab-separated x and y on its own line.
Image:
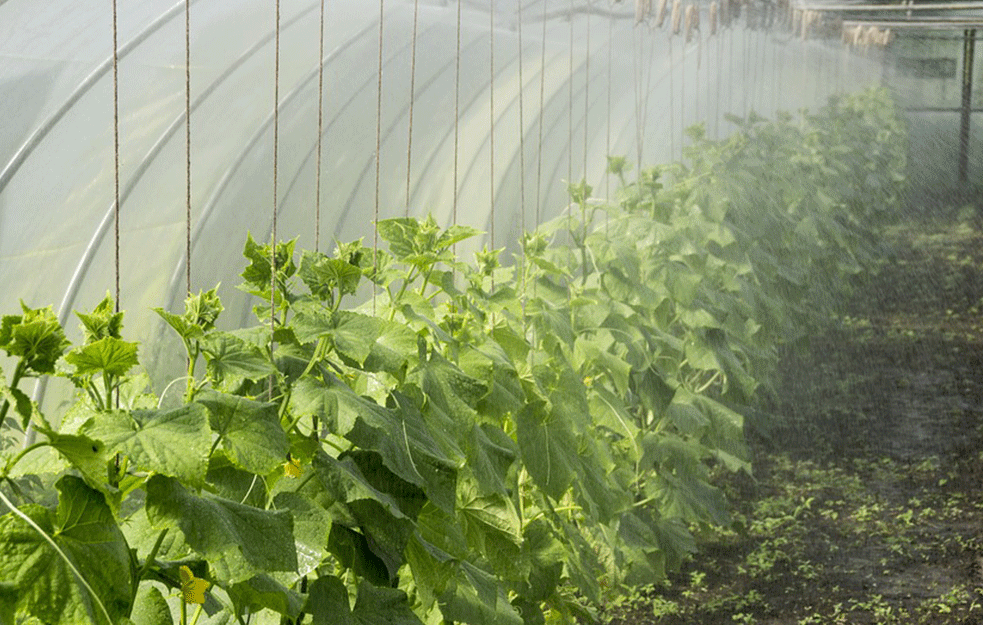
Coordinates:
473	442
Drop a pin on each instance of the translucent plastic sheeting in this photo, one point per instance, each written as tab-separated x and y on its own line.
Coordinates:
631	91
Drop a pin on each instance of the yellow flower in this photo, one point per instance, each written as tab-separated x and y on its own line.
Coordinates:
193	588
291	468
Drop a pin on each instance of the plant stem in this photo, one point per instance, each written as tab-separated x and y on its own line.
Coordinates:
14	381
13	461
152	555
194	619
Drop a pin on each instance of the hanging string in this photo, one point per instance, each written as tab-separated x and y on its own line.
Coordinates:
491	126
116	142
522	126
570	103
187	129
607	142
457	112
672	105
378	150
409	138
542	105
276	158
522	154
320	131
586	91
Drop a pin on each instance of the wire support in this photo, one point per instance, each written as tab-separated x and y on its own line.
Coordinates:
378	149
187	138
116	148
276	159
409	138
320	134
457	115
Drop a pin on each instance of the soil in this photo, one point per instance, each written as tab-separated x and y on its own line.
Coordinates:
866	501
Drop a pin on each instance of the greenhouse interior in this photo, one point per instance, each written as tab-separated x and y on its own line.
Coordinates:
512	312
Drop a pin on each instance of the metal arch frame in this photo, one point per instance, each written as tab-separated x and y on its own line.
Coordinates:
45	127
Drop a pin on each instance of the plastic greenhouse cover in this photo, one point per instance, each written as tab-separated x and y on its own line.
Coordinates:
614	90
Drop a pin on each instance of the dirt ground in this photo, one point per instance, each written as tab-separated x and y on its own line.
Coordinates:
866	504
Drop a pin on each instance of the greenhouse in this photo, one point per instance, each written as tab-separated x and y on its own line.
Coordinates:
491	311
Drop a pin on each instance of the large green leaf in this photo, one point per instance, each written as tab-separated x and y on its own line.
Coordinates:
453	391
311	526
150	607
228	356
491	453
87	455
329	605
402	439
44	583
250	431
548	448
170	442
35	336
263	592
108	355
477	598
238	541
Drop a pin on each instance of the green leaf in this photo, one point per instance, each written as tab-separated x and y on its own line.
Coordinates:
402	439
258	273
171	442
476	597
329	605
228	356
309	396
109	356
491	453
312	524
263	592
355	335
238	541
322	275
394	347
352	551
548	448
453	391
184	328
250	431
150	607
36	337
85	531
85	454
102	322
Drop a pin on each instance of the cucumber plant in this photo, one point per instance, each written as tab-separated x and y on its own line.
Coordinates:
480	442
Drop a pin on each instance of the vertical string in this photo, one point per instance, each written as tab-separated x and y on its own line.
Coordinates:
409	138
586	90
720	60
570	103
457	111
542	106
672	104
378	149
491	124
522	126
522	155
116	147
320	132
187	137
607	139
276	158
